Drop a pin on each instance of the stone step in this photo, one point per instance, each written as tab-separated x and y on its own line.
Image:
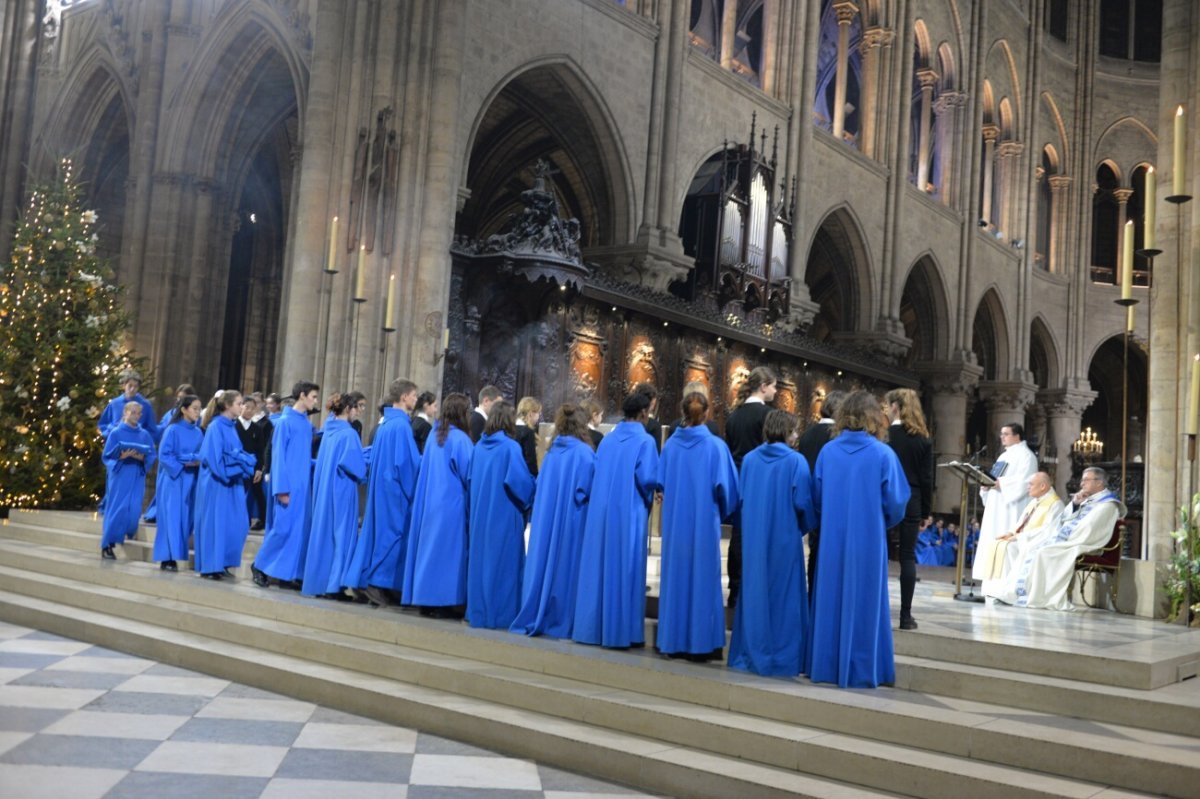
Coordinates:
1036	742
643	762
92	524
769	743
140	548
1127	665
1172	709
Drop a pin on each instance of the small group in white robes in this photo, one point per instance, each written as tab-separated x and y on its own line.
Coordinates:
1043	564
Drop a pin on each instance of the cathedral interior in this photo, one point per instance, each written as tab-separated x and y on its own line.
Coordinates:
566	197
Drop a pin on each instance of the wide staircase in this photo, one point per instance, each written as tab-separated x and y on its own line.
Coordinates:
967	718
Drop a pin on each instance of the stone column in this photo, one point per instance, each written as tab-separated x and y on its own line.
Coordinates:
928	79
1060	186
1122	196
728	33
1007	153
770	46
846	11
873	39
945	110
1064	408
949	384
990	134
298	344
1006	401
20	39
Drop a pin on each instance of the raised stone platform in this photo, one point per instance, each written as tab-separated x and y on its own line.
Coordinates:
990	701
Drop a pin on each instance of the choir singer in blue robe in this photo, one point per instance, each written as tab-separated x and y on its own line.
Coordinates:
501	495
378	564
339	469
175	491
435	560
113	414
700	489
285	543
860	491
128	453
610	605
771	621
221	521
556	528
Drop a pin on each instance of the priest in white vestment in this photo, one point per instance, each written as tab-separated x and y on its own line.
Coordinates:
1003	502
1038	519
1042	576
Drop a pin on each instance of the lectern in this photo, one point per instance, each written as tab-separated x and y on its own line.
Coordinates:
972	478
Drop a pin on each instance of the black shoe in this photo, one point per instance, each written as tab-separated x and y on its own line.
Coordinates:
260	577
229	574
257	525
377	596
908	624
212	575
169	566
291	585
107	553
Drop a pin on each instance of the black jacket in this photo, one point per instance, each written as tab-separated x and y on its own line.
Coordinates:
811	442
527	438
253	440
420	429
916	457
744	429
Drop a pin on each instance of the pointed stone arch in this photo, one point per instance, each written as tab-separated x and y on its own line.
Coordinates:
1126	142
838	274
989	336
549	109
1044	359
924	312
1105	376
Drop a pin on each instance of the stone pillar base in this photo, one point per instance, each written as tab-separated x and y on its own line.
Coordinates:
1140	589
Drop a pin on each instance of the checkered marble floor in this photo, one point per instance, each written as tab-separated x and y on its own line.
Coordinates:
80	721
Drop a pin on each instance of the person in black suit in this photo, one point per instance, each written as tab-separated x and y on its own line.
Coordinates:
744	432
251	435
422	421
908	435
595	415
487	398
529	413
653	425
814	438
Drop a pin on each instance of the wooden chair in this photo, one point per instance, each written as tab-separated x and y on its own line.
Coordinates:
1106	559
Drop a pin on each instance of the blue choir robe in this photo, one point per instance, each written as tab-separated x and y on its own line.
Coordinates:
700	489
379	552
175	491
860	491
555	531
927	547
286	540
267	522
501	494
339	470
126	483
151	514
771	621
948	549
435	559
114	412
221	523
610	604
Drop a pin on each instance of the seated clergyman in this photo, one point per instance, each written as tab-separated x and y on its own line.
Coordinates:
1043	567
1038	519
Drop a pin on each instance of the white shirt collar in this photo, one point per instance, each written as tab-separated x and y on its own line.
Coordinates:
826	420
521	423
753	398
424	416
480	411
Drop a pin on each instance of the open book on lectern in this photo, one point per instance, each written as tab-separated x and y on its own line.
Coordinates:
969	471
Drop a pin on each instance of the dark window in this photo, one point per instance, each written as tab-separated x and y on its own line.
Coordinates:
1056	19
1147	31
1105	216
1114	28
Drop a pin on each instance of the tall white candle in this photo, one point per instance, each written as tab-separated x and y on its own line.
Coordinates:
1150	211
390	314
1194	397
445	339
360	279
331	262
1180	140
1127	262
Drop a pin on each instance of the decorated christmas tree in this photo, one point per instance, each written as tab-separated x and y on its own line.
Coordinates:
62	348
